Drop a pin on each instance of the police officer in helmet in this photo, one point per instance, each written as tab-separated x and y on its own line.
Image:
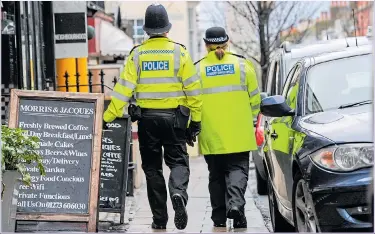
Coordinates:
231	100
162	77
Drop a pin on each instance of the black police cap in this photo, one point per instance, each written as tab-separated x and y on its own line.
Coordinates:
216	35
156	20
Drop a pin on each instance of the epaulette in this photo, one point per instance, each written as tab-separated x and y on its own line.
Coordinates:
240	56
133	49
178	44
199	61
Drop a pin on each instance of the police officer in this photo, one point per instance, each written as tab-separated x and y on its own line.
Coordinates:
231	100
168	93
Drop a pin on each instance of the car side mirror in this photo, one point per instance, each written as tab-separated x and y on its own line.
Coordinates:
275	106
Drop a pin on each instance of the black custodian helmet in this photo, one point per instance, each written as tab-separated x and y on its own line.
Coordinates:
156	20
216	35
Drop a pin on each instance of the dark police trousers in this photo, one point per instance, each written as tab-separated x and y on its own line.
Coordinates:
228	176
156	130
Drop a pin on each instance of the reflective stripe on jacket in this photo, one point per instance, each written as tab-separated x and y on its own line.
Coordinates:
161	75
231	99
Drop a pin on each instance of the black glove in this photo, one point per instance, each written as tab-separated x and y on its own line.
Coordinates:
189	138
192	132
195	128
105	127
134	112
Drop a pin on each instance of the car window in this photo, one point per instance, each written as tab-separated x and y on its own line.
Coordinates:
332	84
291	63
291	95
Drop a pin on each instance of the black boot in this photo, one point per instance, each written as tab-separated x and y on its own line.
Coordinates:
180	217
240	223
239	219
220	224
156	226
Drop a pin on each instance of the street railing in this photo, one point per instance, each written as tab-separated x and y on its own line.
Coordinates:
72	83
90	84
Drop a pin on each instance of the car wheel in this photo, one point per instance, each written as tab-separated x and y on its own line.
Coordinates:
304	218
261	184
279	224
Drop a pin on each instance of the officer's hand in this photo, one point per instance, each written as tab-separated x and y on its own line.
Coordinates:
105	127
189	138
195	129
190	142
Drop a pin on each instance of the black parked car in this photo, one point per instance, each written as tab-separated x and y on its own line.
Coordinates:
371	200
282	61
319	144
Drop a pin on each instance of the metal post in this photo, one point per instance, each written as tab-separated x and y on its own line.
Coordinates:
41	46
66	76
36	46
77	80
90	81
18	22
31	47
102	80
27	44
48	40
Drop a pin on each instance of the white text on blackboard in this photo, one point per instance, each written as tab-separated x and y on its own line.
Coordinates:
61	110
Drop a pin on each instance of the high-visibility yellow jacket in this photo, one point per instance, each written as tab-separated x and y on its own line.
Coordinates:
161	75
231	99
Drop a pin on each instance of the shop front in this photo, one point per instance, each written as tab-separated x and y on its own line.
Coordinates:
27	48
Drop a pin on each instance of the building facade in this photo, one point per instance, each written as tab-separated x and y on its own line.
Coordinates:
182	15
364	13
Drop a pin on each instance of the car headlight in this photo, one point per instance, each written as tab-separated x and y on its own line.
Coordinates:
346	157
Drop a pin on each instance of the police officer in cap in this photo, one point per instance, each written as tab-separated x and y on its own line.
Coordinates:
231	101
167	90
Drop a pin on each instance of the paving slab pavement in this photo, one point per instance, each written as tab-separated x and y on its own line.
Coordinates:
139	217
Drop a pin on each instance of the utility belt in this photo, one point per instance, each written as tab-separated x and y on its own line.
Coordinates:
181	114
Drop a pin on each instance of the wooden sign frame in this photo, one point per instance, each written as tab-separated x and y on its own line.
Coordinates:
124	185
125	175
98	98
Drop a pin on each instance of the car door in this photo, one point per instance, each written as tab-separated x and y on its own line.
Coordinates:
273	74
281	137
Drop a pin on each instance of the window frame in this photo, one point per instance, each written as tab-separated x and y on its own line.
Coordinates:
270	77
277	76
288	79
297	69
137	36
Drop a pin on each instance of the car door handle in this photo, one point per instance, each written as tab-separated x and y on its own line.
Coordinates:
274	135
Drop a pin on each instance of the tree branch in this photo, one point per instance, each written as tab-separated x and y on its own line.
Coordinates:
214	14
253	6
236	9
283	23
251	13
246	51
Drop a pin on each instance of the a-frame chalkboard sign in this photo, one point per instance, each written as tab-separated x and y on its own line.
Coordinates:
114	165
69	126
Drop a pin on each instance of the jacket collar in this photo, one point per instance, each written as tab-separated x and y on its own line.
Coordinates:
156	38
